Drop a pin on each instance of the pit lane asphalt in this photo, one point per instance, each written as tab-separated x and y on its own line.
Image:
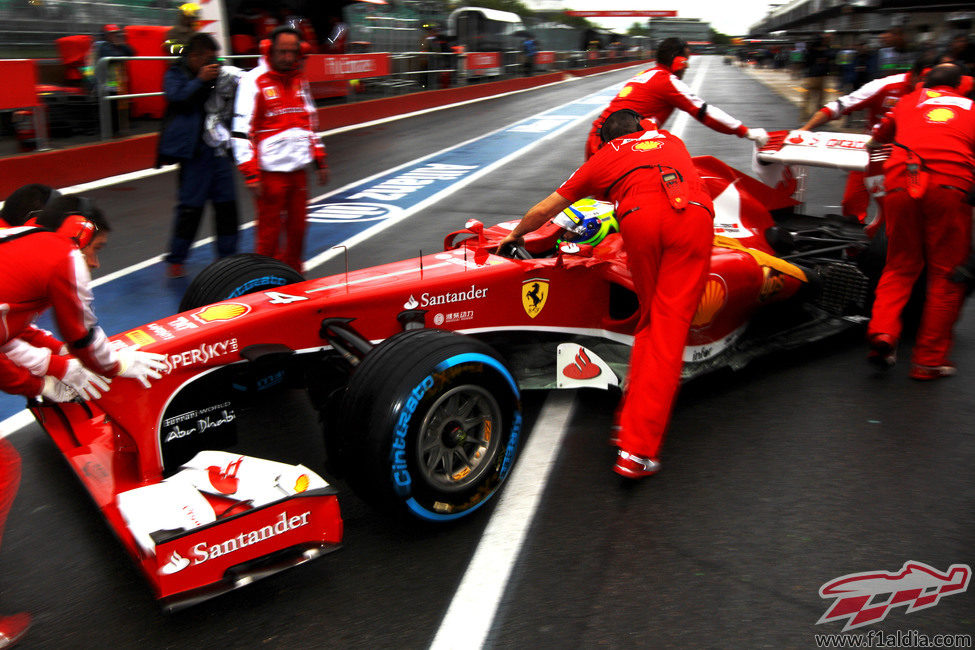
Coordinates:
797	470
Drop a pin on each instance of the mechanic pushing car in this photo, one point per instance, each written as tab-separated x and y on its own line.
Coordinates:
656	92
274	140
665	218
928	222
876	97
47	264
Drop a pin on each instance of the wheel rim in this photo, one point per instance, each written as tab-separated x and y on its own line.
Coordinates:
459	438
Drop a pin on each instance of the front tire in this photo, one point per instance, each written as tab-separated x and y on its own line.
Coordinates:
432	425
235	276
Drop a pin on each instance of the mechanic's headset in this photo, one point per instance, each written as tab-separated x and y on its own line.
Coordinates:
78	225
602	138
680	62
264	47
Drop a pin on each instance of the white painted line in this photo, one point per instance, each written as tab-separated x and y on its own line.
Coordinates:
15	422
470	617
153	260
468	620
680	122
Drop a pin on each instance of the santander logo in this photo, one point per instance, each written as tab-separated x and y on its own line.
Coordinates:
582	367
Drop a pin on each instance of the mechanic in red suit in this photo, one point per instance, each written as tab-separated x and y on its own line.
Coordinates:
876	97
274	141
14	626
665	216
656	92
46	264
928	222
36	353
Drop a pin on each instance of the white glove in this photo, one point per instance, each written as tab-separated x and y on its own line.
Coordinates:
141	365
759	136
57	391
86	383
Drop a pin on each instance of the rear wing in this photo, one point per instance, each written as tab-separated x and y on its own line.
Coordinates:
784	159
817	149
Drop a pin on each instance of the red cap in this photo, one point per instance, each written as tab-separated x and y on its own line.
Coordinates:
111	27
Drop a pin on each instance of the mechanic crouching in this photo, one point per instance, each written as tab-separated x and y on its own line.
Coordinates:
45	263
928	221
665	216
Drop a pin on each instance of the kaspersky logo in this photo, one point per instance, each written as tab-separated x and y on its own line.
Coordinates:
866	598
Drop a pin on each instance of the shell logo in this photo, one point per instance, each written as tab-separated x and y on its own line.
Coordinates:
932	93
772	283
939	115
647	145
140	338
626	91
301	484
712	300
223	311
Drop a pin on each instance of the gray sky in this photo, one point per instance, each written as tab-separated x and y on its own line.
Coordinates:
732	17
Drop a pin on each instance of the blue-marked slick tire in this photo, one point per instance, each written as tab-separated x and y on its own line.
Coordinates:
432	421
237	275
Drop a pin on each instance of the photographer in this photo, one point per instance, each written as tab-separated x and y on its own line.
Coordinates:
205	170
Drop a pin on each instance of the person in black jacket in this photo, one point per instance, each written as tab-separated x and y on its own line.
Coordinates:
205	171
819	58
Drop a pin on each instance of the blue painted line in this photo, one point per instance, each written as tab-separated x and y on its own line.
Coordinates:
146	294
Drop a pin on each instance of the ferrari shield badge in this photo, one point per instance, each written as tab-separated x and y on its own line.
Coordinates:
534	293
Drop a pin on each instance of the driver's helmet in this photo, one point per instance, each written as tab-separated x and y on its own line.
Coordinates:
587	221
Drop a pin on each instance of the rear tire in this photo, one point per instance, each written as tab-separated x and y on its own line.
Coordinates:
431	422
235	276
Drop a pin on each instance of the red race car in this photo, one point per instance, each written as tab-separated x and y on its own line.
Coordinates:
416	369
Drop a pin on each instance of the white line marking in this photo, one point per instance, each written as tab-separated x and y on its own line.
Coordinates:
470	616
680	122
471	613
15	422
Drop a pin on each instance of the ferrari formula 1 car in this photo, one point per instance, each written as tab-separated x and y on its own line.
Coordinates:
416	369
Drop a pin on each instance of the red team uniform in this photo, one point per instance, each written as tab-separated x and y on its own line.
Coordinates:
274	140
667	238
41	269
654	94
928	222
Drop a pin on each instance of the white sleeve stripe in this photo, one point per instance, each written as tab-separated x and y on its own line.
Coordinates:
34	360
719	115
83	288
243	117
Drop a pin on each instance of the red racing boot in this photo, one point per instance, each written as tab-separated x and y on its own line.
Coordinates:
883	350
12	628
632	466
927	373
